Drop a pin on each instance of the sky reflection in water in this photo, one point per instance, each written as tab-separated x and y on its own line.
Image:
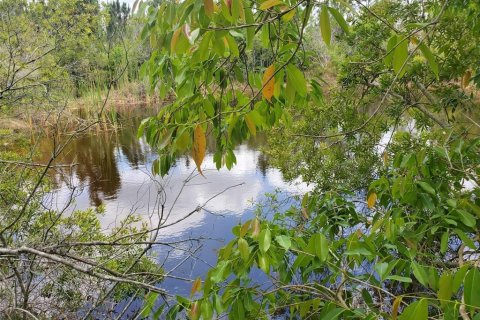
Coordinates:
114	170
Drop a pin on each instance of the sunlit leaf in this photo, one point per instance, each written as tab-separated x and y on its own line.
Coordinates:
284	241
400	56
392	42
263	264
243	248
289	15
269	3
264	240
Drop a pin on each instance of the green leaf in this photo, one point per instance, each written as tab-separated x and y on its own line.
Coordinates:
474	207
432	62
203	48
264	240
333	314
471	290
149	304
321	246
165	140
249	19
180	42
466	218
264	263
445	287
466	239
459	277
426	187
420	273
399	278
339	18
359	252
296	78
232	45
416	311
400	56
392	42
206	309
381	269
284	241
243	248
218	274
325	27
444	242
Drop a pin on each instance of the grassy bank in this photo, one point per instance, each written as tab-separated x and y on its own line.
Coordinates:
108	107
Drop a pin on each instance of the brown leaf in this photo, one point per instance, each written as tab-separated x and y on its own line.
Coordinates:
466	79
196	286
199	147
229	5
245	227
209	9
175	37
268	83
194	311
305	213
372	198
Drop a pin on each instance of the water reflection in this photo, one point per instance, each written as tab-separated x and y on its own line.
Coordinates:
113	169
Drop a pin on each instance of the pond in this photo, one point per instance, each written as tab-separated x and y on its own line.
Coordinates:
113	170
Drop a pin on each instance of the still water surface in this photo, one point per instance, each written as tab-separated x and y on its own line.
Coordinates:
114	170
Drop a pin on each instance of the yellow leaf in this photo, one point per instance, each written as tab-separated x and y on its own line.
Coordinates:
372	198
289	15
208	6
199	147
268	82
196	286
175	37
251	126
466	79
269	3
396	305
